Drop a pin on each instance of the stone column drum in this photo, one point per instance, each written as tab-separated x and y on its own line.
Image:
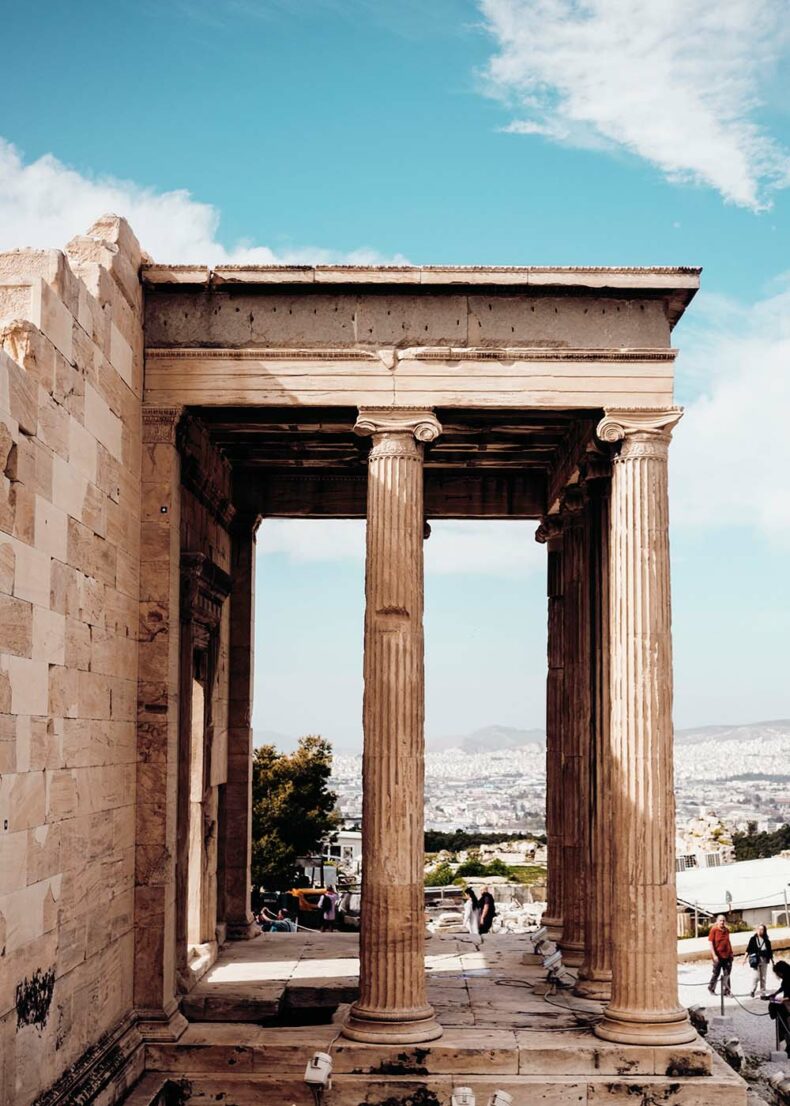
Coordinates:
575	716
392	1005
644	1007
595	973
550	532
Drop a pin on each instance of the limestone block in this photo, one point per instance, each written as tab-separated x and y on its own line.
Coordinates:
93	695
101	422
32	574
34	466
53	427
16	626
29	681
50	528
22	395
8	724
13	861
43	852
52	317
94	511
30	912
72	941
61	795
77	644
92	595
124	697
64	589
49	635
22	800
69	487
82	450
86	355
121	355
31	350
45	742
63	691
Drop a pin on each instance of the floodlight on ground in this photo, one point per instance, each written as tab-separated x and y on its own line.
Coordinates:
318	1072
500	1098
463	1096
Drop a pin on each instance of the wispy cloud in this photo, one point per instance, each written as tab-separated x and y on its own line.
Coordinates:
731	455
494	548
44	203
673	82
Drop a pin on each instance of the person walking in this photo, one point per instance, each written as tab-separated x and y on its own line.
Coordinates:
759	955
471	912
779	1004
487	910
721	954
327	904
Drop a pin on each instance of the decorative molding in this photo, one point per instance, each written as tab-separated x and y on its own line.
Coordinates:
116	1057
204	588
160	424
415	353
550	529
204	470
265	354
535	353
420	422
645	423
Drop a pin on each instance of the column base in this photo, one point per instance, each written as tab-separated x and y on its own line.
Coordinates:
572	953
553	927
630	1027
597	987
241	931
391	1027
161	1025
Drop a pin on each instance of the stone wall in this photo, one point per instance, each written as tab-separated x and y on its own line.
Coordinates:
70	452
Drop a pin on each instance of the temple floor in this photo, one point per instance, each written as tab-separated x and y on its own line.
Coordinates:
244	1046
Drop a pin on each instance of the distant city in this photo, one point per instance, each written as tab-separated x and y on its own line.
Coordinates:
494	779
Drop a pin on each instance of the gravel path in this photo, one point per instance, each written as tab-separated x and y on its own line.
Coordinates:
750	1022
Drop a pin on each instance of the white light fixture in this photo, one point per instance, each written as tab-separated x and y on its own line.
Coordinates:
318	1072
500	1098
463	1096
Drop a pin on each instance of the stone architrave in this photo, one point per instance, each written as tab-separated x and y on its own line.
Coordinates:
575	715
595	972
392	1005
644	1007
550	532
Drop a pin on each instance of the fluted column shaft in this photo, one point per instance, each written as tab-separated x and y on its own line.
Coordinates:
550	532
595	973
392	1004
644	1007
576	726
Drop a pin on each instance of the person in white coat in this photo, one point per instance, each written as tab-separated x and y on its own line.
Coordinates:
471	912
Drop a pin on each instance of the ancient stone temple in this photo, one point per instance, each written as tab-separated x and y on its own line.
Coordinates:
151	417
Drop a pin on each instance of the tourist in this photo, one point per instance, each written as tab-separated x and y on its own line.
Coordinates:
327	904
472	912
779	1007
487	911
759	954
721	954
282	923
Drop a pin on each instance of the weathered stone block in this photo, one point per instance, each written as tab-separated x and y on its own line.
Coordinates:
16	626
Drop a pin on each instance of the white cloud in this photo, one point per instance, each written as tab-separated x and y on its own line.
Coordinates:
494	548
674	82
730	458
45	203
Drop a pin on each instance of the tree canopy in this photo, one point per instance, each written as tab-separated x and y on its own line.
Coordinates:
293	810
754	845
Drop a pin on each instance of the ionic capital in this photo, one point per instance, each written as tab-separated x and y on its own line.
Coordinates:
643	431
550	529
160	424
420	422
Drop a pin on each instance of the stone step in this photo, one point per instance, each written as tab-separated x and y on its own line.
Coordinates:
722	1088
249	1048
264	1003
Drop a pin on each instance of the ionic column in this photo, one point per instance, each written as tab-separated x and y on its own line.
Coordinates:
575	726
550	532
595	973
644	1007
392	1005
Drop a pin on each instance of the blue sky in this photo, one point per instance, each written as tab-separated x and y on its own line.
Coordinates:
457	131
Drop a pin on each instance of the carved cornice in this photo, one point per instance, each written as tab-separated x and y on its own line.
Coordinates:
420	422
642	422
204	588
160	424
204	470
413	353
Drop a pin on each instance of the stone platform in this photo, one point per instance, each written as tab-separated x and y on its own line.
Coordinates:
501	1030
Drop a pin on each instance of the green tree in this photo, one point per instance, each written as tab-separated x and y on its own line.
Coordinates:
440	876
755	846
293	810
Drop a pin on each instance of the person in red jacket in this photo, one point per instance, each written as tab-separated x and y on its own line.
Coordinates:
721	954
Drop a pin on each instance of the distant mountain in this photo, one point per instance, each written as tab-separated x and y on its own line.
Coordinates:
742	734
489	739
